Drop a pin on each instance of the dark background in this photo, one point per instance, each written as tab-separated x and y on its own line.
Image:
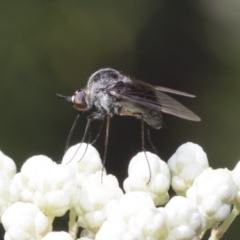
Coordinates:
49	47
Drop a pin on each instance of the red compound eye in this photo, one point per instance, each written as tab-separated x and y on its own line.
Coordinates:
79	101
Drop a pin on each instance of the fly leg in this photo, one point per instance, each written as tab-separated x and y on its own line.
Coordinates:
150	141
96	138
94	116
106	143
143	146
89	139
71	132
139	115
99	132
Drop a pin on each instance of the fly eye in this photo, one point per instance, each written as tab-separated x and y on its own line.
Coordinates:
79	101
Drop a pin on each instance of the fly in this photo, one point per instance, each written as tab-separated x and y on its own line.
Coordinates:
113	93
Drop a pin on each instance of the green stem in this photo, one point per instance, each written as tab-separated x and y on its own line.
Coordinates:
218	232
72	225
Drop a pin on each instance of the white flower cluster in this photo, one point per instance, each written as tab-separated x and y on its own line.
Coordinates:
42	190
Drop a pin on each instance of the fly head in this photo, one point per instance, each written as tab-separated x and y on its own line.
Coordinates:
79	99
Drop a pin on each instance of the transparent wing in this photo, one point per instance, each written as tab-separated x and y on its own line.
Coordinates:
163	89
173	107
146	95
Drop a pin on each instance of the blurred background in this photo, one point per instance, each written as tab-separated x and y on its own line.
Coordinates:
49	47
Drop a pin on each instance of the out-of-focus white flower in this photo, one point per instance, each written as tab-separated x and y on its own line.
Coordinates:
4	192
97	198
115	229
183	232
84	238
149	223
185	165
183	219
57	236
15	188
24	221
139	175
84	159
236	178
23	184
7	165
213	192
88	234
135	217
130	204
56	190
34	166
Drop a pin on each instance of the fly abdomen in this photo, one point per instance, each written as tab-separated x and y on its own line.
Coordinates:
153	118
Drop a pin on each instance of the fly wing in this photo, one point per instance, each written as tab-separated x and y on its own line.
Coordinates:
173	107
146	95
163	89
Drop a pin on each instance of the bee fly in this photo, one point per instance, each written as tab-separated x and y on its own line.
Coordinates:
112	93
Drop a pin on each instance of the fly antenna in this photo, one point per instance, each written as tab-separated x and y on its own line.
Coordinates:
67	98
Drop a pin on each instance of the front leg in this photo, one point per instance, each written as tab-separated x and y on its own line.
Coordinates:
96	116
90	118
